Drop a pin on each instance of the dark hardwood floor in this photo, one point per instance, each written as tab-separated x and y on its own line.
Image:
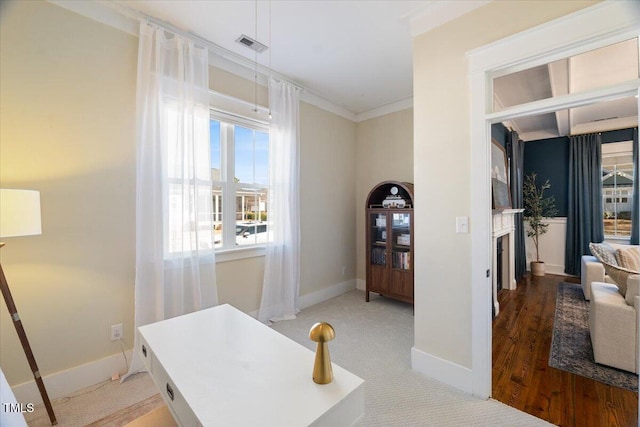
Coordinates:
522	335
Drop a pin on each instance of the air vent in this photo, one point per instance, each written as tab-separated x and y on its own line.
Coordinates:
252	44
606	118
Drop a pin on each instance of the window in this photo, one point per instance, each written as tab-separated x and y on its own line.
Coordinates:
617	185
240	181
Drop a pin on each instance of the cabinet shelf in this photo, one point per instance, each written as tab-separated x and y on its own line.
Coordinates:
390	221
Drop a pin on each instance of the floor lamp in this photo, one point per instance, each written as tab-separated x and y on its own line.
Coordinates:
20	216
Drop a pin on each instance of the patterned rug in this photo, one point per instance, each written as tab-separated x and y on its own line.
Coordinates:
571	348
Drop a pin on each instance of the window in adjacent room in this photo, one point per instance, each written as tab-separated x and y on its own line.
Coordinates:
617	188
240	181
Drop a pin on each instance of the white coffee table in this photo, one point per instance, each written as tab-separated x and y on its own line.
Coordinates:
221	367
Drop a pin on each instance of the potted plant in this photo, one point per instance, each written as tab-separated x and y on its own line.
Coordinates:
537	207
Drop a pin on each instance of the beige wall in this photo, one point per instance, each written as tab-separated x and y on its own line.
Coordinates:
384	153
442	167
67	123
327	193
67	96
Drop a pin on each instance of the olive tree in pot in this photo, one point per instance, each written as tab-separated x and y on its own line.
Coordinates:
537	207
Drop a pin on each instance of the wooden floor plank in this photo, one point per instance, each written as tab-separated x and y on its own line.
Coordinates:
522	334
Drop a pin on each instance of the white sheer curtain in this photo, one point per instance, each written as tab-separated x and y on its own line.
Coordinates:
175	263
281	282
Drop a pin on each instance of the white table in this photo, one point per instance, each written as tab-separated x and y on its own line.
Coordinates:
221	367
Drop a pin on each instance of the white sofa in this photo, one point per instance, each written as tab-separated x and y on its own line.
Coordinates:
614	324
592	270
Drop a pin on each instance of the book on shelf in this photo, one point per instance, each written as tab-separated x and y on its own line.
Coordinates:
402	260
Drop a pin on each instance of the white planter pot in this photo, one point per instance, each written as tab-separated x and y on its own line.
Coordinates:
537	268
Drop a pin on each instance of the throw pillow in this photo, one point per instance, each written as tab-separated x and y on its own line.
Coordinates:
604	252
633	289
619	275
629	258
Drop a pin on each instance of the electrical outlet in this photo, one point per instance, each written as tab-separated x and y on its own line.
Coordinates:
116	332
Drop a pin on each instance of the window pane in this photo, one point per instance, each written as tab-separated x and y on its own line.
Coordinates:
617	180
262	158
217	215
251	217
244	153
216	153
251	156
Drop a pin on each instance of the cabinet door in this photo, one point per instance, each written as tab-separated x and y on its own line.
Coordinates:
401	239
378	253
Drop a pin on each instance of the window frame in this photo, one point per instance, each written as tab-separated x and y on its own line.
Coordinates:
228	122
615	194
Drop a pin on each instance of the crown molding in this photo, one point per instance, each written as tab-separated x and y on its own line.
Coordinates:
382	110
440	12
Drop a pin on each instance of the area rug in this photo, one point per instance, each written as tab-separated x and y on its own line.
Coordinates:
571	348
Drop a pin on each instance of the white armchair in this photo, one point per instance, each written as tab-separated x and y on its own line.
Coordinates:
592	270
614	324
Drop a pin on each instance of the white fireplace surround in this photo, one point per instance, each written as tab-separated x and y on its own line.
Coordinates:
503	226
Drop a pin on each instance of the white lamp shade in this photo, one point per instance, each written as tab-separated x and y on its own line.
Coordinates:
19	213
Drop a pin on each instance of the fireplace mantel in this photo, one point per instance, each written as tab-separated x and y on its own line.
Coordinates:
503	226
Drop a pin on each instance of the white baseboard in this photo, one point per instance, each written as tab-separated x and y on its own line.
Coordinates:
320	296
553	269
68	381
327	293
361	284
442	370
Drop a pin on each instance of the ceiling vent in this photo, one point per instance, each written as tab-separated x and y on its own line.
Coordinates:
252	44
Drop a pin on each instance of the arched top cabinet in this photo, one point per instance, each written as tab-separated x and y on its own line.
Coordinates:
389	235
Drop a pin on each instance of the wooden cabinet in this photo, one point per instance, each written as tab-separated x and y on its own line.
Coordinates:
389	243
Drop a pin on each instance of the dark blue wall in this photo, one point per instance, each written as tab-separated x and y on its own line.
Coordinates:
549	158
500	133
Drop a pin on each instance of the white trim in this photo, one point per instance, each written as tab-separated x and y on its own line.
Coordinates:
552	269
325	294
104	12
572	100
325	104
393	107
442	370
599	25
440	12
71	380
322	295
590	29
224	255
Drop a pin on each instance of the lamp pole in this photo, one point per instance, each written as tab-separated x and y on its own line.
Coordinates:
6	293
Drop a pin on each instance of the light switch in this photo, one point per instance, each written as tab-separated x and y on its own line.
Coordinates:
462	224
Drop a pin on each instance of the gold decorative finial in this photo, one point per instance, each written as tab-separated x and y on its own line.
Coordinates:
322	333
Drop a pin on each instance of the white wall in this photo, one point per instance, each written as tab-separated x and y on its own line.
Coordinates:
442	178
551	245
67	96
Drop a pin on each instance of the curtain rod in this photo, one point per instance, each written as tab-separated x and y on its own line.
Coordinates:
212	47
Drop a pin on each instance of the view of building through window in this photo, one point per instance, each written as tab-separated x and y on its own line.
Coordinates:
240	178
617	188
